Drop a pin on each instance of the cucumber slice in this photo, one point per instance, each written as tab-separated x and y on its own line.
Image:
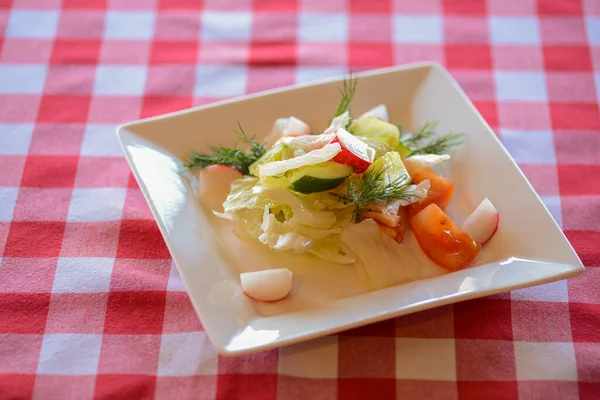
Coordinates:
393	166
319	177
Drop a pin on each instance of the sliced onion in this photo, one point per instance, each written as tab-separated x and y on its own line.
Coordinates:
416	163
323	154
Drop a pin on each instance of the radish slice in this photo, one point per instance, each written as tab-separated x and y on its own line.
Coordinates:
323	154
296	127
482	224
379	112
214	184
267	285
355	152
418	162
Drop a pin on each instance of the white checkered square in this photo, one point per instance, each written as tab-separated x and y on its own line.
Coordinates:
592	25
8	198
418	29
225	26
220	80
315	359
82	275
120	80
521	86
32	24
317	27
22	79
529	147
69	354
545	361
553	205
15	138
97	204
427	359
129	25
308	74
100	140
514	30
187	354
554	292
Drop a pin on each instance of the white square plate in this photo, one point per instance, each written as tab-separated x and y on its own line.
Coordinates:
528	249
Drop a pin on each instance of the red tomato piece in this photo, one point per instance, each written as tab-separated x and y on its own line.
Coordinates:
440	191
444	242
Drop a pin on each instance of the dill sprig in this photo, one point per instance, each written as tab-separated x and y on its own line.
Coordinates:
347	92
234	157
363	190
423	133
423	141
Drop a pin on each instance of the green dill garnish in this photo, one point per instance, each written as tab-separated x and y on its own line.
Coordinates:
423	141
423	133
234	157
347	92
363	190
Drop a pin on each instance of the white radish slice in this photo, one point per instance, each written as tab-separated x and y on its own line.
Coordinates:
214	184
379	112
355	145
296	127
267	285
482	224
416	163
323	154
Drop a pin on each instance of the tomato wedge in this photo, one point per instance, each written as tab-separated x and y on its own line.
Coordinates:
440	191
444	242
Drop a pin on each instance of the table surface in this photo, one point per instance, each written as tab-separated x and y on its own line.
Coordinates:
91	305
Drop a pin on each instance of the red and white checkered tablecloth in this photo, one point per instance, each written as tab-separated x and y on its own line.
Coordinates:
91	305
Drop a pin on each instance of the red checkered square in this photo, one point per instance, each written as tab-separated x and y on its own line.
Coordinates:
81	24
425	389
224	52
271	53
64	108
12	170
464	7
190	5
177	25
478	85
409	53
588	390
90	239
485	360
483	319
136	206
75	51
581	213
490	390
64	387
468	56
559	7
585	244
50	171
575	116
17	273
511	7
141	239
563	30
125	386
124	52
435	323
264	363
4	228
370	55
170	80
567	58
19	353
250	387
157	105
135	313
107	109
379	329
180	315
16	50
16	386
129	354
316	54
586	354
527	58
34	239
538	321
101	172
571	87
76	313
34	204
582	289
577	147
353	364
368	28
489	112
173	52
84	4
296	388
466	29
139	275
277	6
58	139
529	116
574	179
19	107
362	388
282	28
532	390
70	79
198	387
584	325
15	305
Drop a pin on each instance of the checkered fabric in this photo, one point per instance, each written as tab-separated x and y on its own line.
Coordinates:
91	305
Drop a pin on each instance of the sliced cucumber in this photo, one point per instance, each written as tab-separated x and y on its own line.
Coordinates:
393	167
274	154
319	177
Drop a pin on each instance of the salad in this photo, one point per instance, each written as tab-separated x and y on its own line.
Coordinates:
346	195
